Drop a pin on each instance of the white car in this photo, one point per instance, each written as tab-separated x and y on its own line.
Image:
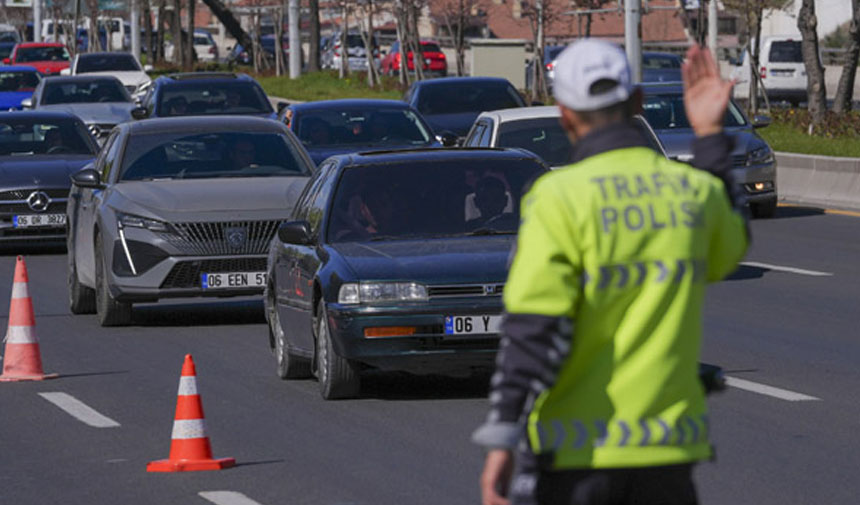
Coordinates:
123	66
204	46
781	69
536	129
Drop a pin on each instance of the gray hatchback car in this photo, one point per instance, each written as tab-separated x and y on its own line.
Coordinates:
179	207
752	158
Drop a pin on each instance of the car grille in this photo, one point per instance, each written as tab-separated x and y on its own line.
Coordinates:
222	238
14	202
186	274
23	194
461	290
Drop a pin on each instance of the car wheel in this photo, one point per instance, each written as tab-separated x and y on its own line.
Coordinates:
290	366
763	210
109	311
337	376
82	300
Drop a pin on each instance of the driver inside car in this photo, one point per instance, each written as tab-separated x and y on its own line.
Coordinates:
53	141
491	199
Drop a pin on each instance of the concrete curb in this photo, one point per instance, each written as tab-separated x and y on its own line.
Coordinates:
819	180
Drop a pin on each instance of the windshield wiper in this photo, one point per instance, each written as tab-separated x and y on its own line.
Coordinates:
489	231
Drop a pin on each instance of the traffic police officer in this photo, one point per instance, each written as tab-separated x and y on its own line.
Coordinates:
597	374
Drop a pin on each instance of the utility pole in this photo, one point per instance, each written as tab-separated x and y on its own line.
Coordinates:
295	41
37	21
712	28
134	23
633	38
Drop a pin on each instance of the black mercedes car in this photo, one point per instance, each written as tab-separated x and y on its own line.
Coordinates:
395	260
38	153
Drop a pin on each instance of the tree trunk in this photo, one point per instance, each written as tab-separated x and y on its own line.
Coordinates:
147	32
845	89
159	28
588	25
460	41
807	23
415	39
189	48
344	51
372	77
177	32
231	24
314	49
401	27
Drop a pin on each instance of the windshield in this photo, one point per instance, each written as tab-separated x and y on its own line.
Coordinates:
787	51
430	47
18	81
454	98
544	137
666	112
8	37
25	137
211	155
107	62
84	91
660	62
367	127
206	98
41	54
430	199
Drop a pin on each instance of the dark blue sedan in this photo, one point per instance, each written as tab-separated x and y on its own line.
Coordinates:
396	260
16	84
205	94
331	127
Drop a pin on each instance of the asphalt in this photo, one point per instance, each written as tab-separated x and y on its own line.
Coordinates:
406	440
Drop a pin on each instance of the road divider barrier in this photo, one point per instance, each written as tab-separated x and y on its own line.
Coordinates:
190	449
22	359
819	180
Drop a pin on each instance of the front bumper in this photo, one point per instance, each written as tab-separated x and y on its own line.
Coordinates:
429	350
763	174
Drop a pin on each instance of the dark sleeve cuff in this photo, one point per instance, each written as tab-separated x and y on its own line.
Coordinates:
713	153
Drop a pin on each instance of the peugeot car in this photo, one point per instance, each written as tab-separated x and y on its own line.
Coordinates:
396	260
179	207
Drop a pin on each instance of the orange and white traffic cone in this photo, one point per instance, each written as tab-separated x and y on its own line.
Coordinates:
189	446
22	360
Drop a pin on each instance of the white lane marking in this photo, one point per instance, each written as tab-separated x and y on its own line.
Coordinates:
762	389
227	498
79	410
791	270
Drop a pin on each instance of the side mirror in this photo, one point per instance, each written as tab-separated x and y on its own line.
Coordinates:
139	113
88	177
27	103
448	139
295	232
282	106
761	121
148	68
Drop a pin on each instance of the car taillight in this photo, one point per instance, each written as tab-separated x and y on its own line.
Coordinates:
212	50
763	72
550	65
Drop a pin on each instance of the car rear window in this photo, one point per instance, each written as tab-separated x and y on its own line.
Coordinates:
30	136
544	137
41	54
666	112
785	51
430	47
375	127
458	97
106	62
211	155
206	98
427	199
660	62
18	81
84	91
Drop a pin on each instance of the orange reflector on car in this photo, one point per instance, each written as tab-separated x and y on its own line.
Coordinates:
389	331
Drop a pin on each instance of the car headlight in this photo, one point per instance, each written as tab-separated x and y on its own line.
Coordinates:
760	156
372	292
132	221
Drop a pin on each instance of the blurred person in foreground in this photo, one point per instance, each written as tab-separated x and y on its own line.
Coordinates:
596	386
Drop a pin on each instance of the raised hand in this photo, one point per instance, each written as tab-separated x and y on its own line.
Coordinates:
706	94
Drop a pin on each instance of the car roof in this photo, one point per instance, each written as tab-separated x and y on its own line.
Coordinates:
441	81
79	78
350	102
204	124
435	154
17	68
662	88
38	114
24	45
520	113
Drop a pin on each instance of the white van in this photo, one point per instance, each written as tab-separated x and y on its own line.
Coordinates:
781	69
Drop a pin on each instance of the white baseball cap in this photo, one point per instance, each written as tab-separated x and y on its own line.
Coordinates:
584	63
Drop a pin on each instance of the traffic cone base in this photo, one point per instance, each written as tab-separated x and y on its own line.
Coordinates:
19	378
189	465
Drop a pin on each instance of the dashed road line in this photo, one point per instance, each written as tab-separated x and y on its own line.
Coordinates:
227	498
792	270
763	389
80	410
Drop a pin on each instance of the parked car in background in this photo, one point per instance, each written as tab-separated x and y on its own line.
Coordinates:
9	34
49	58
180	207
451	104
123	66
333	127
238	55
752	157
661	67
39	151
205	47
781	70
538	130
355	50
385	265
100	101
17	84
435	64
205	94
550	53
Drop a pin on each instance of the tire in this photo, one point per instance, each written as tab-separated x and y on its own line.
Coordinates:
109	311
764	210
289	365
82	300
337	376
